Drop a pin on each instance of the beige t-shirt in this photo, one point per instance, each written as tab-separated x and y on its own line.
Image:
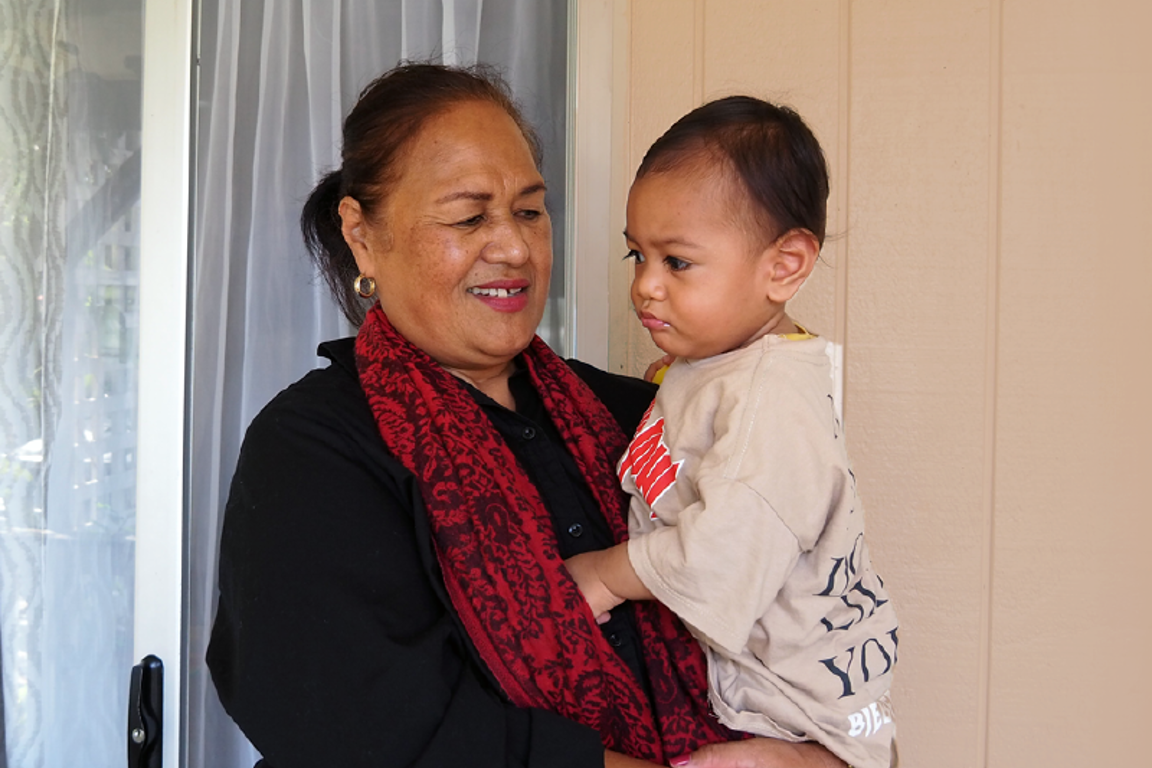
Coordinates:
745	522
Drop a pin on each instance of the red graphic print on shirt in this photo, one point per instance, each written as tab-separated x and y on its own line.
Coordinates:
648	461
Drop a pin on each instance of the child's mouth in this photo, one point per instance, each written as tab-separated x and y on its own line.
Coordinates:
651	322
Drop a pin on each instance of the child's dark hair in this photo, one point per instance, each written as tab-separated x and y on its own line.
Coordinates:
768	147
388	116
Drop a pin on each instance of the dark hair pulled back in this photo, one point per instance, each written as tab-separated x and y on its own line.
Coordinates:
390	112
775	156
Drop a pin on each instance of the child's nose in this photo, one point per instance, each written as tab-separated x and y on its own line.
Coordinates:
646	283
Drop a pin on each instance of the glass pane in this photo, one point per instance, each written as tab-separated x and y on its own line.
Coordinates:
69	255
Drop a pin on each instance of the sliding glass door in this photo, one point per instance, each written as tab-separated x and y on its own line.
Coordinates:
135	346
76	276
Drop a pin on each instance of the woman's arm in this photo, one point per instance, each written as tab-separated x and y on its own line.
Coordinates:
333	645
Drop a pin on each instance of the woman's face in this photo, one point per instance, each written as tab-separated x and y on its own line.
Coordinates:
461	249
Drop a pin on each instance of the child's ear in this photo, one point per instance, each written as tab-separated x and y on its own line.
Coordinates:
790	260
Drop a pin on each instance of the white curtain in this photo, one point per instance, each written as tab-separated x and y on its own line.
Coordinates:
277	77
69	256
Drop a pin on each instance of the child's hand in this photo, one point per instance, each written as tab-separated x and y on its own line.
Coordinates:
585	570
657	366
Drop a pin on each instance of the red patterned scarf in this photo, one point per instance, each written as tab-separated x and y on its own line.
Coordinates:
498	552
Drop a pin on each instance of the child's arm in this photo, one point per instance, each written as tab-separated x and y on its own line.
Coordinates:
606	579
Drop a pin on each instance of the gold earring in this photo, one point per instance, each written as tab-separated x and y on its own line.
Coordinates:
365	286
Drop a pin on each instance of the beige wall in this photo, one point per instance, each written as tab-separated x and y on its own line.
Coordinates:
992	285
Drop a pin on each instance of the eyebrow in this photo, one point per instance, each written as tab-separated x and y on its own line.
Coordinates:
667	241
484	197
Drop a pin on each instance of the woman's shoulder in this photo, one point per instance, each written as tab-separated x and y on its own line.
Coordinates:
326	405
626	397
334	385
313	443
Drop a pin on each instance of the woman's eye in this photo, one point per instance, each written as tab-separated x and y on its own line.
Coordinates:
471	221
530	214
634	254
675	264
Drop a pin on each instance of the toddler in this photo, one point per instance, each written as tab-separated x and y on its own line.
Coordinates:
744	518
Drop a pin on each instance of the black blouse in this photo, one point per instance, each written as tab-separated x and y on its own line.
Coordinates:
335	642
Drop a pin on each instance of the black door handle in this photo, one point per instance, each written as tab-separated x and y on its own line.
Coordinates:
146	714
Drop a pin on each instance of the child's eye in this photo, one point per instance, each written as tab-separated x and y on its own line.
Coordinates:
634	254
676	264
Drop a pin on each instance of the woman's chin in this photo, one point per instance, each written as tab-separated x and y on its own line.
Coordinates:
510	347
510	333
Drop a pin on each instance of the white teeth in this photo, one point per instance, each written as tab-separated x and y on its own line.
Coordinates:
500	293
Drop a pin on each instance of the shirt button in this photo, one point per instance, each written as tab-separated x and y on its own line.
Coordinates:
614	640
575	530
529	433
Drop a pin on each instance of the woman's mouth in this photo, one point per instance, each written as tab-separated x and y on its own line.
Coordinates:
502	296
500	293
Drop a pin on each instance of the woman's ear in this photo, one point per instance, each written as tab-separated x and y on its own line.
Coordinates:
354	229
790	260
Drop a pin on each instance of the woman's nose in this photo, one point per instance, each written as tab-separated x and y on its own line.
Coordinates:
508	244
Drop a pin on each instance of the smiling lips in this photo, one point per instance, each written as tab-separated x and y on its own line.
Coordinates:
503	295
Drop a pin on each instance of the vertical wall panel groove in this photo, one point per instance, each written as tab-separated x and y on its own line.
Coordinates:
991	369
842	184
699	48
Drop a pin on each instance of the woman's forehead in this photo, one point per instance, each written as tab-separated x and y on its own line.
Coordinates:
470	127
472	143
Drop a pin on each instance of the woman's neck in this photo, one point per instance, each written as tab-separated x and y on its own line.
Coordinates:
492	382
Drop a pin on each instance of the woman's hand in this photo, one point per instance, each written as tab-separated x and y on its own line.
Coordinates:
760	753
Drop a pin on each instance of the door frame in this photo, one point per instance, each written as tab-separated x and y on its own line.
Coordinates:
597	104
597	147
165	245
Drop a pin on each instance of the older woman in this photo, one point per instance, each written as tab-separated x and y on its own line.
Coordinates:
392	588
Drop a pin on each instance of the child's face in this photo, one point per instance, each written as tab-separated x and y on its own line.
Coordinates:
699	286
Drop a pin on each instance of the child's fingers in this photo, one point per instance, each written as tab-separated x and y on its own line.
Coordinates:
657	366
